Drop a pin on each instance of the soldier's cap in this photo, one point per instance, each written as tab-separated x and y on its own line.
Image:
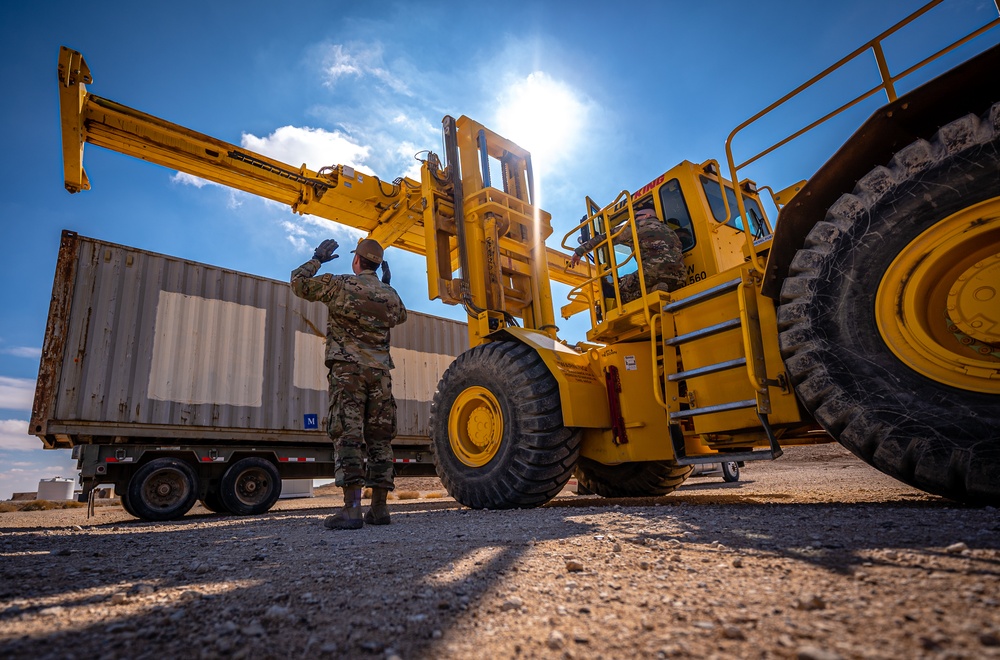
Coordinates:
370	249
645	213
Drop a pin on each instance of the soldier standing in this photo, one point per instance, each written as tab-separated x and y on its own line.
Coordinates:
362	416
660	249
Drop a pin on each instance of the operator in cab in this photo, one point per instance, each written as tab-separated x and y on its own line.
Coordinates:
362	415
659	248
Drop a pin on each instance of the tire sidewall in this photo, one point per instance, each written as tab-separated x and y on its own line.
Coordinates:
479	374
231	501
849	283
144	472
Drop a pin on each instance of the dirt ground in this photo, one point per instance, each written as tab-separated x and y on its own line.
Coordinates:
815	556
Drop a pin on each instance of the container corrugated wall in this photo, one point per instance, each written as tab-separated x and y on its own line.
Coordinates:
156	346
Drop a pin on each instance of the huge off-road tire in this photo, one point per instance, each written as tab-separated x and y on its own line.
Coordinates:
497	429
890	317
638	479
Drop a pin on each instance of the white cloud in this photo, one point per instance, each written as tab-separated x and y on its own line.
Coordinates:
23	351
359	61
316	147
307	231
14	435
186	179
16	393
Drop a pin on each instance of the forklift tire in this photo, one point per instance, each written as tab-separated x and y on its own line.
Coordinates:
890	317
497	430
638	479
730	472
250	486
162	489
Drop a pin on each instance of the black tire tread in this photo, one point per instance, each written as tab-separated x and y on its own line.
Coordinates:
538	465
636	479
929	458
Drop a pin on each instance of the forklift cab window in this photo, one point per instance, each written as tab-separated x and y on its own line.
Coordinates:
718	206
675	213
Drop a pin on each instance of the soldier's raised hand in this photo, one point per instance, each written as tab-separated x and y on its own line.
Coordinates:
325	251
386	273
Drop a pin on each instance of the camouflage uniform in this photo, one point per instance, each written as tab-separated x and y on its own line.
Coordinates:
662	257
362	416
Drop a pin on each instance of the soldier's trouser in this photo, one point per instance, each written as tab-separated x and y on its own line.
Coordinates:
362	423
629	285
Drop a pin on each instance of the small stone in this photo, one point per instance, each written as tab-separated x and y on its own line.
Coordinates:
574	566
816	653
277	613
118	598
733	632
580	638
556	640
956	548
253	629
810	603
738	562
989	639
513	603
77	528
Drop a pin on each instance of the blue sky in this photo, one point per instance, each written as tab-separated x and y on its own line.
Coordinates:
606	96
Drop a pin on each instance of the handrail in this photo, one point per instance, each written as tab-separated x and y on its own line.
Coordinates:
610	235
887	85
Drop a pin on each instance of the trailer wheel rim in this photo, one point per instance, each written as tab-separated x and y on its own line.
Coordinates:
165	488
475	426
253	486
938	305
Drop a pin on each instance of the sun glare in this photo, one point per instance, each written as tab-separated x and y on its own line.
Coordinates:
541	115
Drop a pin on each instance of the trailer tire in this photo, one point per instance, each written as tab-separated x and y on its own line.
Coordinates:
250	486
126	504
497	429
636	479
889	317
213	501
730	471
162	489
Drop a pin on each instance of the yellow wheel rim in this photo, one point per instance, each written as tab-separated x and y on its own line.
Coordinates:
938	306
475	426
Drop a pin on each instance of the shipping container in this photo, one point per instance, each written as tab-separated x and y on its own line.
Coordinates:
150	357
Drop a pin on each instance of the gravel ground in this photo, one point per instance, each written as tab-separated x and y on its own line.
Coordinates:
814	556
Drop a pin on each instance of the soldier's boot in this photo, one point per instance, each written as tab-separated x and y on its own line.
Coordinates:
350	516
378	514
